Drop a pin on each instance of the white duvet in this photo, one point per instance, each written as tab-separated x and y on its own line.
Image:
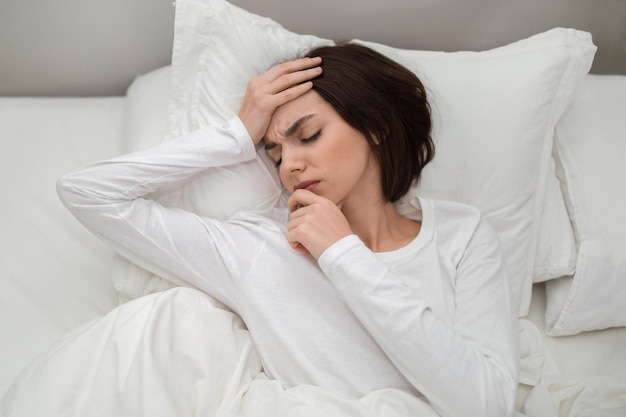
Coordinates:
180	353
175	353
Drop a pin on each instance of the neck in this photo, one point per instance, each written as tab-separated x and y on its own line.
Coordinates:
380	226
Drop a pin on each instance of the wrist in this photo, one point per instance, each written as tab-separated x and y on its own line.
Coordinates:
242	136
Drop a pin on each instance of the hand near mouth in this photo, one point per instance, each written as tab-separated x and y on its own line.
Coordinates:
316	223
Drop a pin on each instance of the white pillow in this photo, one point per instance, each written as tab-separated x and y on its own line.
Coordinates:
146	109
494	116
494	110
218	47
556	246
590	149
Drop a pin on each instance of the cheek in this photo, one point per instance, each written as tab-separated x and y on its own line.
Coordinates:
354	154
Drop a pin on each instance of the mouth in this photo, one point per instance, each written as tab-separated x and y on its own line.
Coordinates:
307	185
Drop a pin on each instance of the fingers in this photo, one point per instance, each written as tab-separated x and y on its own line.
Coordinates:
280	79
297	70
316	223
298	247
290	93
301	198
270	90
294	234
292	73
289	80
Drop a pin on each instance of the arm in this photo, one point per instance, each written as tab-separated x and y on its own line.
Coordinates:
108	198
466	366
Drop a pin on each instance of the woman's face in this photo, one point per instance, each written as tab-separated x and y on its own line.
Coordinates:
314	148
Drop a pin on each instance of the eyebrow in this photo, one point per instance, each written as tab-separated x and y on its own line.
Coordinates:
290	131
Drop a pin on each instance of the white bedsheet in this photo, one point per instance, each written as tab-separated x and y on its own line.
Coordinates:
601	352
575	376
563	395
54	275
175	353
180	353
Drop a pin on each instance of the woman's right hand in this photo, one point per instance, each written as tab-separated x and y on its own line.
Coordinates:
275	87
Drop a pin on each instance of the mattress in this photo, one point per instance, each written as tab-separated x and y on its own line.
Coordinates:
601	352
54	275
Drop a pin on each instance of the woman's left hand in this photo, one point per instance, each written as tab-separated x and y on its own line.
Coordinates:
316	223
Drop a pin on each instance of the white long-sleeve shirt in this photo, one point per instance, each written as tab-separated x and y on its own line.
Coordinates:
433	318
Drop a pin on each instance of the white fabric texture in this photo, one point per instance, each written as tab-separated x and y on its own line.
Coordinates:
506	134
597	352
536	360
146	109
449	303
565	395
494	114
587	370
556	246
590	147
176	353
54	274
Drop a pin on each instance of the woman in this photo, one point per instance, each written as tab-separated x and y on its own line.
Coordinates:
339	290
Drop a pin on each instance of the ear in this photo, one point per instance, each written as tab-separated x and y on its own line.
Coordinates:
373	139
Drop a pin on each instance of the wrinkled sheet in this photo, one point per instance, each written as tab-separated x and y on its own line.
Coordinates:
181	353
575	376
175	353
562	395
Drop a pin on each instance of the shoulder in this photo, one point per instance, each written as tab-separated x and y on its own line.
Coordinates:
466	234
454	226
453	212
443	216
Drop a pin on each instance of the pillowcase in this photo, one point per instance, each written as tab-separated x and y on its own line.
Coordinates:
146	109
556	247
494	114
555	253
590	146
218	47
145	125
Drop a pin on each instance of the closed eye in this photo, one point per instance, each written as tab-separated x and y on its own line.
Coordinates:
312	138
304	141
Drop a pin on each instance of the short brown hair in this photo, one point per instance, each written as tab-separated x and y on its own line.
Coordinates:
384	101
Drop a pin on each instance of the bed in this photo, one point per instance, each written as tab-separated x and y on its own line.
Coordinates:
523	131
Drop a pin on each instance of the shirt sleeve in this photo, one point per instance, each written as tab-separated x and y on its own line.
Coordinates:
108	198
464	367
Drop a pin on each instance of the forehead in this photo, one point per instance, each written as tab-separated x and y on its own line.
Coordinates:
302	109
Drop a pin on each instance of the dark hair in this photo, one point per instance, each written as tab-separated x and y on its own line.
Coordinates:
384	101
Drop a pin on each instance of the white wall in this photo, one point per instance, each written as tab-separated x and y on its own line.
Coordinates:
96	47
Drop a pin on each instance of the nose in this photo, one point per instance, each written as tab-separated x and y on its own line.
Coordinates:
291	160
